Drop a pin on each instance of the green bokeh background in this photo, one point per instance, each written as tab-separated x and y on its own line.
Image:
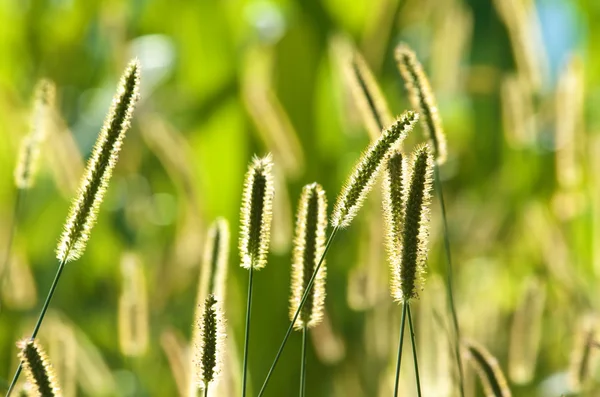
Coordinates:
198	59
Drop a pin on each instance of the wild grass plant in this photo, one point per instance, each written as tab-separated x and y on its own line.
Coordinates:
500	176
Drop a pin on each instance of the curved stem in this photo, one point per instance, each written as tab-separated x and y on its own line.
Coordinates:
303	363
302	302
402	322
247	334
414	349
11	234
440	192
39	321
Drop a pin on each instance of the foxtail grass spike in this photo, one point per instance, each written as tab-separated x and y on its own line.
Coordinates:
214	263
393	205
38	369
29	152
100	166
410	256
584	357
488	370
309	244
133	308
368	168
422	99
256	214
209	351
368	96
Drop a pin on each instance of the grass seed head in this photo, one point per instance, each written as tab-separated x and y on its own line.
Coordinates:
393	190
41	121
409	251
214	262
38	369
488	370
256	213
209	351
422	99
367	169
309	245
105	154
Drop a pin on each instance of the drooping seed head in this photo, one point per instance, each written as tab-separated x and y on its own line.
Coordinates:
84	209
368	96
309	245
410	256
393	205
256	213
133	308
367	169
41	119
488	370
209	351
422	99
38	369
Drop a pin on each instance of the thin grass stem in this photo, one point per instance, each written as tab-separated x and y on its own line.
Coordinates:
247	334
300	306
11	235
39	321
400	344
414	349
449	272
206	391
303	363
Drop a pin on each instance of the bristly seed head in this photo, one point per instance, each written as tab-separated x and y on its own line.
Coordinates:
408	249
309	244
209	352
393	204
214	263
41	121
38	369
84	209
256	213
367	169
422	99
488	370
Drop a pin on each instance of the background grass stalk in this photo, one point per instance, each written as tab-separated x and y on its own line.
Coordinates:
39	321
452	307
247	333
303	363
11	235
302	302
401	343
414	349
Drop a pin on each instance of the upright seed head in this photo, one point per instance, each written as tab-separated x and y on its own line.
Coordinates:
214	262
100	166
38	369
309	245
256	213
41	118
584	357
209	352
422	99
410	256
393	205
488	370
367	169
133	308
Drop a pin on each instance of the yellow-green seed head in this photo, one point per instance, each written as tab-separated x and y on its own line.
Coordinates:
309	244
393	205
488	370
214	262
584	356
84	209
209	351
368	168
38	369
422	99
133	307
256	213
41	119
409	251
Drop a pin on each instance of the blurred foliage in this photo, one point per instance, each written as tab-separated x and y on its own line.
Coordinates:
223	80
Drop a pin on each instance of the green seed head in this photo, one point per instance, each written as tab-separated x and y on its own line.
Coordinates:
209	351
422	99
409	250
38	369
309	244
214	264
99	169
488	370
393	206
367	169
41	121
256	214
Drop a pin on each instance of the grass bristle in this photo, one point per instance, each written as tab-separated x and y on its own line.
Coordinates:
309	244
209	351
38	369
